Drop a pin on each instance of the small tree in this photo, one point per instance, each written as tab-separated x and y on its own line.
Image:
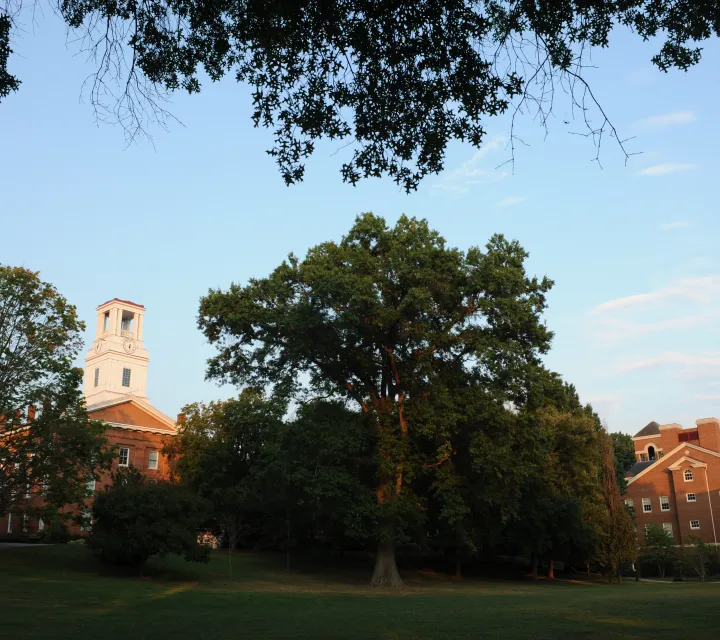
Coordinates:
699	556
136	518
658	547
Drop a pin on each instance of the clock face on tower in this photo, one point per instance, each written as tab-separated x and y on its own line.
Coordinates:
98	345
129	346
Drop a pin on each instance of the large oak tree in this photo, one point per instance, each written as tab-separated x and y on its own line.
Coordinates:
392	319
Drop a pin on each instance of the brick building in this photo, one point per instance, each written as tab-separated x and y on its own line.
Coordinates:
675	482
115	385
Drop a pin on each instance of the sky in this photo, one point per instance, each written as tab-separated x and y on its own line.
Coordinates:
633	248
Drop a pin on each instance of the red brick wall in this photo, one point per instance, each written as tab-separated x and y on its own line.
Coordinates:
660	481
709	434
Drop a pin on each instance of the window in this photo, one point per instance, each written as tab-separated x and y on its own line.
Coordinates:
124	459
688	475
643	457
153	460
647	505
694	524
9	523
106	321
668	527
630	506
126	378
651	452
660	453
90	485
664	503
97	376
41	525
25	523
691	497
86	520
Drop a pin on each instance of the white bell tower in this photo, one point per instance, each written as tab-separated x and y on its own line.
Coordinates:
116	365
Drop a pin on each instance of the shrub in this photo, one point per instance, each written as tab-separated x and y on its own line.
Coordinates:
136	518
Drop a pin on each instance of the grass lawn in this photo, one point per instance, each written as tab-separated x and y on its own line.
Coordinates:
60	592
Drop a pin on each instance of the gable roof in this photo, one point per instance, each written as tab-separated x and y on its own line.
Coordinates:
134	414
650	429
682	445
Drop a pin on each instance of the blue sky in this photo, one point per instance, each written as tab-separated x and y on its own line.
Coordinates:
634	250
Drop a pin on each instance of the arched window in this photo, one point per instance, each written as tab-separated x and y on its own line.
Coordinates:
651	453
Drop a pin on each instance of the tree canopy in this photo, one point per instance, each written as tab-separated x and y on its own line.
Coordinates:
396	80
49	448
398	323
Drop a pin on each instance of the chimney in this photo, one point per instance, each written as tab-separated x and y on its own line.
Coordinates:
181	419
709	433
669	436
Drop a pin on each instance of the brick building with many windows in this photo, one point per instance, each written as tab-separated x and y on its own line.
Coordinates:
675	482
115	391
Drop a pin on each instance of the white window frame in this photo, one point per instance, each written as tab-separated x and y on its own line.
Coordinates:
664	503
150	459
41	525
630	505
686	473
693	527
25	521
647	502
689	499
667	526
127	457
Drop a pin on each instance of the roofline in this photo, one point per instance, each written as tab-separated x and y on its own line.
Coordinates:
682	445
134	304
143	405
691	461
652	435
134	427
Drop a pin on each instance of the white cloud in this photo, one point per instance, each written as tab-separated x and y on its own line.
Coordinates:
679	117
701	289
665	169
471	172
613	330
708	396
686	365
680	224
512	200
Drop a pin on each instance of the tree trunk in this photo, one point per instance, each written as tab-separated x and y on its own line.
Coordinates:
386	573
551	570
534	565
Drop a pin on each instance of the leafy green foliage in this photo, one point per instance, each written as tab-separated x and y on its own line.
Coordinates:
398	79
136	518
658	547
8	82
217	450
699	556
49	448
624	451
394	321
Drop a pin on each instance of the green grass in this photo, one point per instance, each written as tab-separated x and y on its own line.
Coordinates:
61	592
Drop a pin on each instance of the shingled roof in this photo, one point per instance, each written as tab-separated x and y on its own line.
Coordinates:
637	468
650	429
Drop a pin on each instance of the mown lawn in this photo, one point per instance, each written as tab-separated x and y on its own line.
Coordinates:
60	592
